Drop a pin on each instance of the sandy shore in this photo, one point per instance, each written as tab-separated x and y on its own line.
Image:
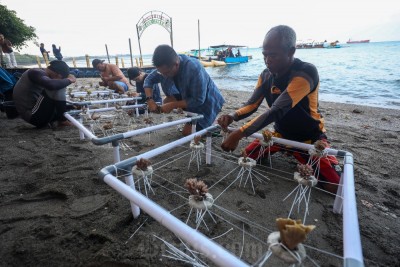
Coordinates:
55	211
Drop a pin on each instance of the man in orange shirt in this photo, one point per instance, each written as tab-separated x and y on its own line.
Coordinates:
111	76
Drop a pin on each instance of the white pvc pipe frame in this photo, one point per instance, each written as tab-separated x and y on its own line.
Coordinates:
352	250
86	132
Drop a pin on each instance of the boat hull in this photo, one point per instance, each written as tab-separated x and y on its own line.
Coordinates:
236	60
358	42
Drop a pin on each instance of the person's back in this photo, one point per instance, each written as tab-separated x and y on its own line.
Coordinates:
207	99
39	95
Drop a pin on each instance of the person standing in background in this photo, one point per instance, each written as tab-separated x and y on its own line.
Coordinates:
44	52
57	52
6	48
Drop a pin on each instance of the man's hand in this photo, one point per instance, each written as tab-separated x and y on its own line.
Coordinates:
71	78
224	121
151	104
64	123
168	107
232	141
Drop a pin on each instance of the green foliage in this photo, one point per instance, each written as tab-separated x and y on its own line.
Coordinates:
14	28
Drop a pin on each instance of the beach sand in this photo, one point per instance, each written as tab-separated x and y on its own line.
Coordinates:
55	211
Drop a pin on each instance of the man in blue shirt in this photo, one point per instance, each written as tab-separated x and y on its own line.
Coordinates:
138	75
186	85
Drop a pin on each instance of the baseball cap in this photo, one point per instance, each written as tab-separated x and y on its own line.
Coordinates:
59	67
96	62
133	73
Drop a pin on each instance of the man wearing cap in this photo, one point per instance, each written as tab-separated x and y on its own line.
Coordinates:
39	95
137	75
111	76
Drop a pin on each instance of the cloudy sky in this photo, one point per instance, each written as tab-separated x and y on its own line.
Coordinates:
84	26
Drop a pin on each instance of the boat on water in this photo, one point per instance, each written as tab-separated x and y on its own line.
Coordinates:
230	54
314	44
221	55
357	41
309	44
334	44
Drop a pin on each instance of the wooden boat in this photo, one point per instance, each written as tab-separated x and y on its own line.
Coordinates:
218	63
357	41
207	63
212	63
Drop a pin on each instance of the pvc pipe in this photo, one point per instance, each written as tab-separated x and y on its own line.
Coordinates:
81	135
92	93
338	203
83	103
80	126
198	241
296	144
100	110
351	233
208	148
159	126
128	163
135	208
115	145
352	249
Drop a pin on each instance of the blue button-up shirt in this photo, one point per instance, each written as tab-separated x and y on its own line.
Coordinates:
195	86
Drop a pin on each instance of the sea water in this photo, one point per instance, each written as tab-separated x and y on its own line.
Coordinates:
362	74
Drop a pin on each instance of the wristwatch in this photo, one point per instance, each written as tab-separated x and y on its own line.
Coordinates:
148	98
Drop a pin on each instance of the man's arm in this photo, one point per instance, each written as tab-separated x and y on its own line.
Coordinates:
39	77
152	79
245	111
168	107
297	89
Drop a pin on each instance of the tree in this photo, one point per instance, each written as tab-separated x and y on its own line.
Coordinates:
14	28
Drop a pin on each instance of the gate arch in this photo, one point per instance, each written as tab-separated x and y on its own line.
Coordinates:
150	18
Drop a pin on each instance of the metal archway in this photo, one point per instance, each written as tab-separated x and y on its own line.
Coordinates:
150	18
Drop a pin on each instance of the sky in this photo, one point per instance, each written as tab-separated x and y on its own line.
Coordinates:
83	27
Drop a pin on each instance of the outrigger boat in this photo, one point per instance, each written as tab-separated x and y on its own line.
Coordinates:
230	54
220	55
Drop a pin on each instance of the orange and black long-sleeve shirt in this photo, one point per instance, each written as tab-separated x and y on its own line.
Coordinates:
293	102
